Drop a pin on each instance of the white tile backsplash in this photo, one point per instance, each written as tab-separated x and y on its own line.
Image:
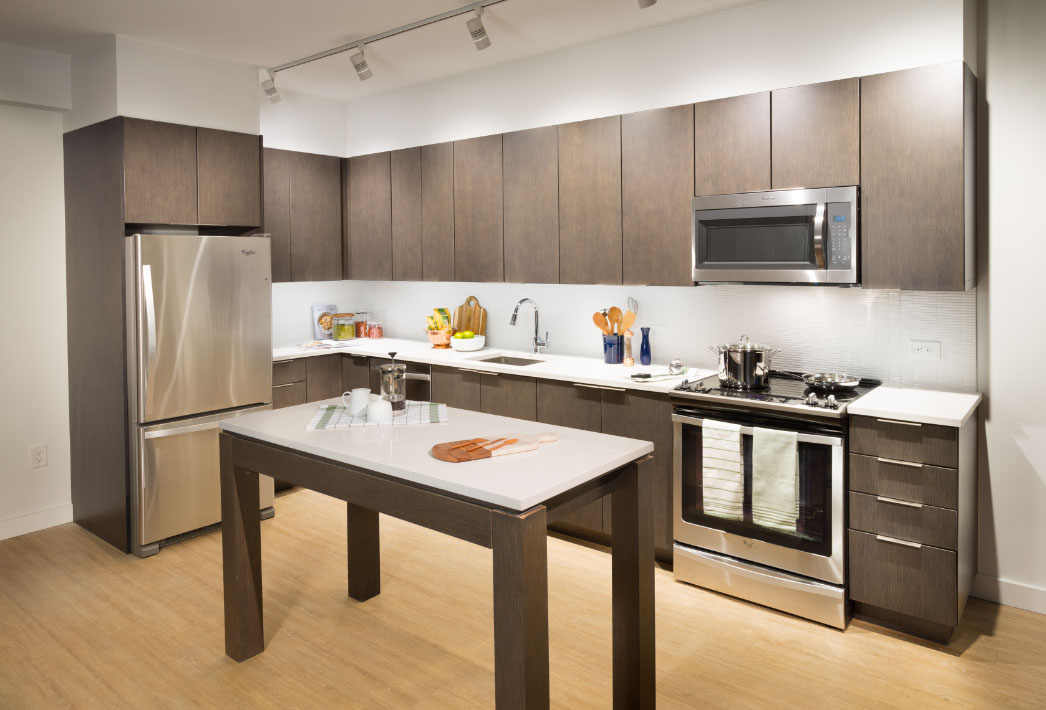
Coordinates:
865	332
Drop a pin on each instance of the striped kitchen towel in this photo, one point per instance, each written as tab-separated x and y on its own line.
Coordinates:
722	475
775	479
335	416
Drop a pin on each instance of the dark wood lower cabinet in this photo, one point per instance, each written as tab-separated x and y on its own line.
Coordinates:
456	388
288	395
508	396
323	377
355	372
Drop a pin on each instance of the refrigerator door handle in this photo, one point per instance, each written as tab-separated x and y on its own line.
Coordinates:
150	329
159	433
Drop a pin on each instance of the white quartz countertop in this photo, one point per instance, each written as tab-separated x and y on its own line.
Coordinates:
914	405
567	368
516	482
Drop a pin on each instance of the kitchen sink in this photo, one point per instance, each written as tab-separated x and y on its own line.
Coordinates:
508	360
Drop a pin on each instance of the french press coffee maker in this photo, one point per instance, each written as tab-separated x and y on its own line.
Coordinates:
394	383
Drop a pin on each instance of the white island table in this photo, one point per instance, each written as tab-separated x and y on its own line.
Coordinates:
502	503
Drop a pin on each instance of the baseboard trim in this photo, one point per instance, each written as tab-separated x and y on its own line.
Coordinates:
1003	591
40	520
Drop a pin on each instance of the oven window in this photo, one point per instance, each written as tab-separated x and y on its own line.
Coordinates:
767	237
813	526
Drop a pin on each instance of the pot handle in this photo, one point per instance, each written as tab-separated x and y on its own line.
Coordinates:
770	354
715	349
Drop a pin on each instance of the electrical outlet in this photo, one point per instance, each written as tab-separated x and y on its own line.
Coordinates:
38	456
658	330
926	349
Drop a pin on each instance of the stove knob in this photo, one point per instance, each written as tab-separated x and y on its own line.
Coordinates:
811	400
831	403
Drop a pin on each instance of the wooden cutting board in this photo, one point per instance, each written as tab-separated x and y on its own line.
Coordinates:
462	450
470	316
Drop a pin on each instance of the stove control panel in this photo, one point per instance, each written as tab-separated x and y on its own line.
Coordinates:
840	235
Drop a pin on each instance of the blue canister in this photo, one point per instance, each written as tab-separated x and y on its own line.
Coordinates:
613	349
644	347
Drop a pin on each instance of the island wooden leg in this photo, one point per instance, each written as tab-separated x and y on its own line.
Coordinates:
632	544
364	553
520	609
241	558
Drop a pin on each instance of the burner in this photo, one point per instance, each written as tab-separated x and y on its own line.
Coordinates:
785	389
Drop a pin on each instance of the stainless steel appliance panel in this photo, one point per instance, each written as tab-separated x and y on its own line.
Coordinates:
178	477
203	326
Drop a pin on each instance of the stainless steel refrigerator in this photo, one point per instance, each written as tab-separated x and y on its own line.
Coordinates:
199	351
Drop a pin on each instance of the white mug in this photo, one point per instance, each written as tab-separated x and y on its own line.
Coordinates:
359	398
379	412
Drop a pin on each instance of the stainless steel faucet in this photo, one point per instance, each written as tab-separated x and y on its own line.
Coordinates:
539	343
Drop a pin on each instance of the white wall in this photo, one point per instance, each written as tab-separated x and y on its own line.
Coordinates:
292	307
304	123
93	85
1012	314
35	408
34	78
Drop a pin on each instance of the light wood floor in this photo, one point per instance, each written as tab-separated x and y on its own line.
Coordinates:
83	626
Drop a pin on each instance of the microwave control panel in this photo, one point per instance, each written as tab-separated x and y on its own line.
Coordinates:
840	235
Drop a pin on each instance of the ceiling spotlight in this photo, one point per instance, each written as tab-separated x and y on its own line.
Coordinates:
646	3
478	31
269	87
359	63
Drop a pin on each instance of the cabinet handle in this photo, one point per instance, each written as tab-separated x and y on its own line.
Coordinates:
895	501
288	384
599	387
910	464
898	421
895	541
479	372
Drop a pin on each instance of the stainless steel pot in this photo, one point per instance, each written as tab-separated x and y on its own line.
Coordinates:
744	365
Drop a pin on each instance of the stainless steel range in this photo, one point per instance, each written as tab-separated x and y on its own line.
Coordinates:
741	528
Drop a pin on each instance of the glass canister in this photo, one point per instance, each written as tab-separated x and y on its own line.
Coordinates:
361	323
344	327
375	329
394	385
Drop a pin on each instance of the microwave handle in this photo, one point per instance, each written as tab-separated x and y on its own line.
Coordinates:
819	235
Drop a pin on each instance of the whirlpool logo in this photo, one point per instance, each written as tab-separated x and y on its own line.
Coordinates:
749	543
247	252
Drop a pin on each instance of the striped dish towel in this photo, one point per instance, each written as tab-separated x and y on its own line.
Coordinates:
722	474
775	479
335	416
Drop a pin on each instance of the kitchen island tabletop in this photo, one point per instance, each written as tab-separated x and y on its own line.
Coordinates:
503	503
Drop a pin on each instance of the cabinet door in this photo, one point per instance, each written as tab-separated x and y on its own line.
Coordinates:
531	187
159	173
565	404
229	172
288	395
456	388
657	176
355	372
509	396
479	247
276	183
732	145
315	217
816	135
590	201
437	211
646	416
370	218
916	220
322	377
406	215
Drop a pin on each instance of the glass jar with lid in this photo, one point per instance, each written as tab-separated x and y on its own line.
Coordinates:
375	329
344	326
361	323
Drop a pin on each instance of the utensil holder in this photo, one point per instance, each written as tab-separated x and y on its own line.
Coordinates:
613	349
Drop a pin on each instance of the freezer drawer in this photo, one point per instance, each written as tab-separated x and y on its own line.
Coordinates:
178	482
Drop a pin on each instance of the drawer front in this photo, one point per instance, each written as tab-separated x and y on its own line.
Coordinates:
287	371
918	581
918	483
906	441
288	395
907	521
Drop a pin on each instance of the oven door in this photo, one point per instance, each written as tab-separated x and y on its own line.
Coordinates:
814	549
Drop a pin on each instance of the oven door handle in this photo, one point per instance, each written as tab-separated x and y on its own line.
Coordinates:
804	438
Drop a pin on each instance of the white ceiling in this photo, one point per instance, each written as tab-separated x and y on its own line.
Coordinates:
270	32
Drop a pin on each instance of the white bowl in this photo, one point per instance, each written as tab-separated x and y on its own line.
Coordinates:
467	345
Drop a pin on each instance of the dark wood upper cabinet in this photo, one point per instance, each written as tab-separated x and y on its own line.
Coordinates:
315	217
407	258
370	218
229	173
531	189
657	174
479	248
276	217
590	201
917	178
732	145
160	183
816	135
437	211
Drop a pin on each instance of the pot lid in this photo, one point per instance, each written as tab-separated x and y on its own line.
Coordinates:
745	345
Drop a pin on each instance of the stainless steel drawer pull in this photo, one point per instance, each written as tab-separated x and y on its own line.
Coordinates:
880	459
895	501
599	387
288	384
898	421
895	541
480	372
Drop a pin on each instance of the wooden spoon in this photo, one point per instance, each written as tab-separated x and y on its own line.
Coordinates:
614	316
630	318
601	322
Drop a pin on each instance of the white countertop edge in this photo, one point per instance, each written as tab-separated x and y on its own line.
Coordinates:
930	406
516	504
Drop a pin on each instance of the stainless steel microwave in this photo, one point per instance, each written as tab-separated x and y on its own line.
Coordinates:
804	236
